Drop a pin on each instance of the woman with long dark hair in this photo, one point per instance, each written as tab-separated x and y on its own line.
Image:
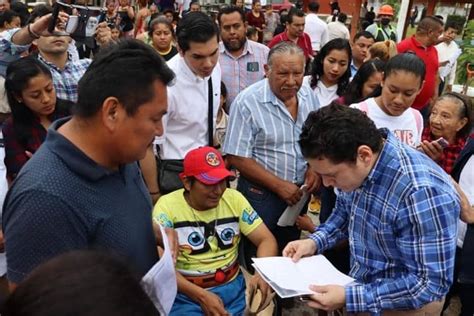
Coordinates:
34	106
331	71
366	80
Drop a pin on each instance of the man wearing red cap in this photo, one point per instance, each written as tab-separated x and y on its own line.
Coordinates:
382	30
209	220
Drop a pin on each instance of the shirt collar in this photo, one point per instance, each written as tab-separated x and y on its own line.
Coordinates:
385	156
69	59
270	97
186	71
248	49
73	157
353	66
418	44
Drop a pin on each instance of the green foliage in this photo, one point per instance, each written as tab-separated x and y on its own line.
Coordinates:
457	19
467	56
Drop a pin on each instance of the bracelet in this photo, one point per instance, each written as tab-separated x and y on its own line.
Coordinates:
31	33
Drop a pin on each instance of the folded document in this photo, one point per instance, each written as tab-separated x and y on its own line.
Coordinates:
290	279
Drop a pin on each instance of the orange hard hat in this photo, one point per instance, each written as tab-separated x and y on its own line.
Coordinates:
386	10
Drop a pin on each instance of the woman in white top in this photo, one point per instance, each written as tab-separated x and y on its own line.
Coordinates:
390	106
330	71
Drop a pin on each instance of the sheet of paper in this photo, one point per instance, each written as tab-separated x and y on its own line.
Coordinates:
160	282
444	71
289	279
289	216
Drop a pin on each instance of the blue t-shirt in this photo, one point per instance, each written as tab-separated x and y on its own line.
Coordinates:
62	200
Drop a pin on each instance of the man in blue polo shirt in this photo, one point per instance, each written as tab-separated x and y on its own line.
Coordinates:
83	189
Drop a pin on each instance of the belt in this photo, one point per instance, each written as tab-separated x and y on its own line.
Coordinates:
217	278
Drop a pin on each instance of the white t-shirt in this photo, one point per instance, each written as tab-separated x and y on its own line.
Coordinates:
325	95
466	182
408	127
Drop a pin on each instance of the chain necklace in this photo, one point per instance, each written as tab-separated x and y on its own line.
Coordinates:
212	229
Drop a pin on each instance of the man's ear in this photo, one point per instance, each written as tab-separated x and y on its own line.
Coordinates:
365	155
186	183
267	70
180	51
112	110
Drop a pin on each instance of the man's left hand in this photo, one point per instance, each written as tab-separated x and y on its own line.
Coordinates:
327	297
103	34
257	281
312	180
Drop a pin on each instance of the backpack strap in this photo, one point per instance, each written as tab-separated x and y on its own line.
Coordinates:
364	107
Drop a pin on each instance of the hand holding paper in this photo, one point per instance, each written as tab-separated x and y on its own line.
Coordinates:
327	297
290	279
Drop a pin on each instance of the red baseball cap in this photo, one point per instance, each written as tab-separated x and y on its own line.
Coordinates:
205	164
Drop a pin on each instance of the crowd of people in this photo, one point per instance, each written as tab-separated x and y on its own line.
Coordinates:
125	143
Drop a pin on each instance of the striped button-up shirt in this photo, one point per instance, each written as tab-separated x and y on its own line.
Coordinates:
260	127
66	80
240	72
401	225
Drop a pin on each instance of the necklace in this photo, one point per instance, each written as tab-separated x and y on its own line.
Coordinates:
209	228
165	53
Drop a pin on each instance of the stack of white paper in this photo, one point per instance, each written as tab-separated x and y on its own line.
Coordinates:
160	281
290	279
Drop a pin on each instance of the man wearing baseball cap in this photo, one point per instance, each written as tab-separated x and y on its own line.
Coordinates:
381	29
209	219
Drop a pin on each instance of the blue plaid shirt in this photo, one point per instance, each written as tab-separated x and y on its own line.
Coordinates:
401	225
65	80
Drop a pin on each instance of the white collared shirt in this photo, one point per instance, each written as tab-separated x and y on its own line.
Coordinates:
317	31
185	125
448	53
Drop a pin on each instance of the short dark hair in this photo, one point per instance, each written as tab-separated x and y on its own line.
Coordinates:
168	11
22	10
342	17
229	9
428	23
313	6
294	12
195	27
39	11
335	132
7	16
363	34
451	24
82	283
127	71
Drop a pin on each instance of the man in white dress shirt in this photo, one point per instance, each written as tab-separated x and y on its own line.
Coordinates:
197	69
316	28
448	53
